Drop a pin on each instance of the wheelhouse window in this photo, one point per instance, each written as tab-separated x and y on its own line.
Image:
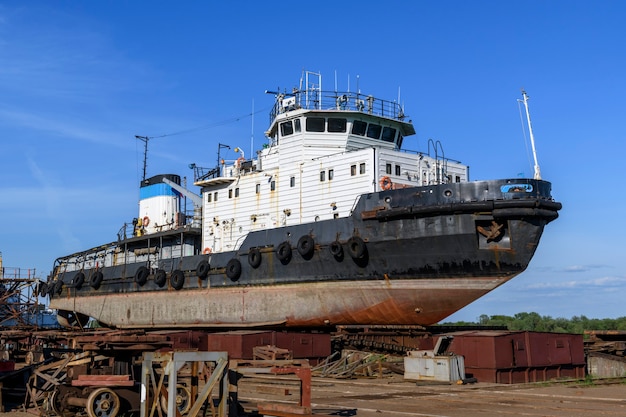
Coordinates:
389	134
273	185
398	169
292	181
322	176
209	197
331	174
286	128
258	188
230	193
236	192
353	170
297	127
336	125
362	168
373	131
388	169
315	124
215	196
359	128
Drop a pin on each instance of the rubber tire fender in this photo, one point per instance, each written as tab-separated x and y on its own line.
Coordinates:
96	280
160	278
203	269
141	276
254	257
336	249
283	252
58	287
356	247
78	280
233	269
306	246
177	279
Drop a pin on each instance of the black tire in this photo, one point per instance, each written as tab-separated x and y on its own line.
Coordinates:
306	246
58	287
177	279
254	258
233	269
203	269
283	252
96	280
78	280
160	278
42	289
336	249
141	276
356	247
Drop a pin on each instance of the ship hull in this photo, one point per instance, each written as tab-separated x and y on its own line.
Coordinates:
405	257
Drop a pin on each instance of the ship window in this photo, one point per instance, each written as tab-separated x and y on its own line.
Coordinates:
273	185
373	131
362	168
297	126
331	174
400	139
236	192
292	181
457	179
389	134
322	175
286	128
388	169
215	196
353	170
359	128
208	197
336	125
397	169
315	124
230	193
258	188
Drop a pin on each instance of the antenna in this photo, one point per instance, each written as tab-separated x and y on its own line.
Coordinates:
532	137
145	140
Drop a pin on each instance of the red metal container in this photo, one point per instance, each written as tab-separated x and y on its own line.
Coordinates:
514	357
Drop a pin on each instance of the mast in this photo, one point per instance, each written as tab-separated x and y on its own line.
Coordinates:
532	137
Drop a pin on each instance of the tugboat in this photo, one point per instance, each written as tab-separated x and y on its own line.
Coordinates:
330	223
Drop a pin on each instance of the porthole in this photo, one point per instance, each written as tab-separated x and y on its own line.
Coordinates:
447	193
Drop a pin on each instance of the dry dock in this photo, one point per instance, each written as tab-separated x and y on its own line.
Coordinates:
391	397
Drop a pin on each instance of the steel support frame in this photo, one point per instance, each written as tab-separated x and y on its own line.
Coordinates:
171	362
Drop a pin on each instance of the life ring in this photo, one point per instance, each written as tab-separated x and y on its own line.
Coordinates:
206	251
283	252
254	257
146	221
385	183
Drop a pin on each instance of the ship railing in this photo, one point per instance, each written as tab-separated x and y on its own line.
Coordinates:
334	100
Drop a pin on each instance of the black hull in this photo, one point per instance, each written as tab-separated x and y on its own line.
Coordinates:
406	256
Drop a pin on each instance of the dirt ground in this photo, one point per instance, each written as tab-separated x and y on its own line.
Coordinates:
394	397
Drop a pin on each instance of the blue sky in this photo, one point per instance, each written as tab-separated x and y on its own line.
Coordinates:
78	81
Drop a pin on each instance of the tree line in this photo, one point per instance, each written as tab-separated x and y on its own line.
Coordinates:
537	323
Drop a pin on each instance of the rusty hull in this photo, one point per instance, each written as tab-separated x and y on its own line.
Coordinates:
400	302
